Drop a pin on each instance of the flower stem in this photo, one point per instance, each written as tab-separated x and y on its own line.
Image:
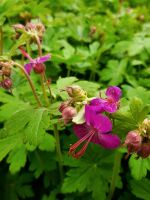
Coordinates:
43	75
30	82
59	154
44	90
116	168
1	40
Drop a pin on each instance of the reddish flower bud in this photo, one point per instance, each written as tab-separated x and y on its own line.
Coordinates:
68	113
6	84
133	141
144	151
6	71
63	105
39	68
18	27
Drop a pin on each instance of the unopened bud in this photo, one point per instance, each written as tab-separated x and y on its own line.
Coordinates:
6	72
68	113
7	83
76	92
144	151
133	141
63	105
18	27
39	68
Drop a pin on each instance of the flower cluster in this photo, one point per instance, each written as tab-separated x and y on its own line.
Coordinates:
33	30
5	73
96	126
138	141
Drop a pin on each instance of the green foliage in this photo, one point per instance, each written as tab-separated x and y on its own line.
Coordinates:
141	188
17	159
93	44
139	167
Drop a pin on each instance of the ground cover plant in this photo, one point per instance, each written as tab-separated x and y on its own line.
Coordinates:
75	99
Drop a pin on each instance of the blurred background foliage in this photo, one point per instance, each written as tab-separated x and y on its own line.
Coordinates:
102	43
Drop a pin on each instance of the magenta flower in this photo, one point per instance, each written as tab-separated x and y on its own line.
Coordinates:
97	129
35	64
110	104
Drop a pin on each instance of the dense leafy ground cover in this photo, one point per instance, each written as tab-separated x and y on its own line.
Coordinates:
93	44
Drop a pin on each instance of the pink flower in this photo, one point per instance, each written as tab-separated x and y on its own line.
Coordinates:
110	104
97	129
35	64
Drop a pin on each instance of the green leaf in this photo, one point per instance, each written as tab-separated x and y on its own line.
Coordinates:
90	87
136	106
62	83
17	122
17	158
37	124
40	162
80	179
141	188
9	143
139	92
68	50
139	167
136	46
24	38
114	71
47	143
93	48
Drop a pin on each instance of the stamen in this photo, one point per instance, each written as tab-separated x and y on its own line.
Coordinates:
74	146
80	153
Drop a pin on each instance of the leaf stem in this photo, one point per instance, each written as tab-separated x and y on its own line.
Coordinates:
59	154
1	40
30	82
116	168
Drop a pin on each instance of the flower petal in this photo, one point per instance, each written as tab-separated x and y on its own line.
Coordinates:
114	92
110	106
81	130
109	141
97	105
42	59
98	121
28	67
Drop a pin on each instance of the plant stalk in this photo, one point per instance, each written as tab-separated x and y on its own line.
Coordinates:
44	90
58	150
116	168
1	40
43	75
30	82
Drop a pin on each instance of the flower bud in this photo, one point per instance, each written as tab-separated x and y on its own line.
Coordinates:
68	113
6	71
63	105
18	27
76	93
6	84
133	141
39	68
30	26
144	151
